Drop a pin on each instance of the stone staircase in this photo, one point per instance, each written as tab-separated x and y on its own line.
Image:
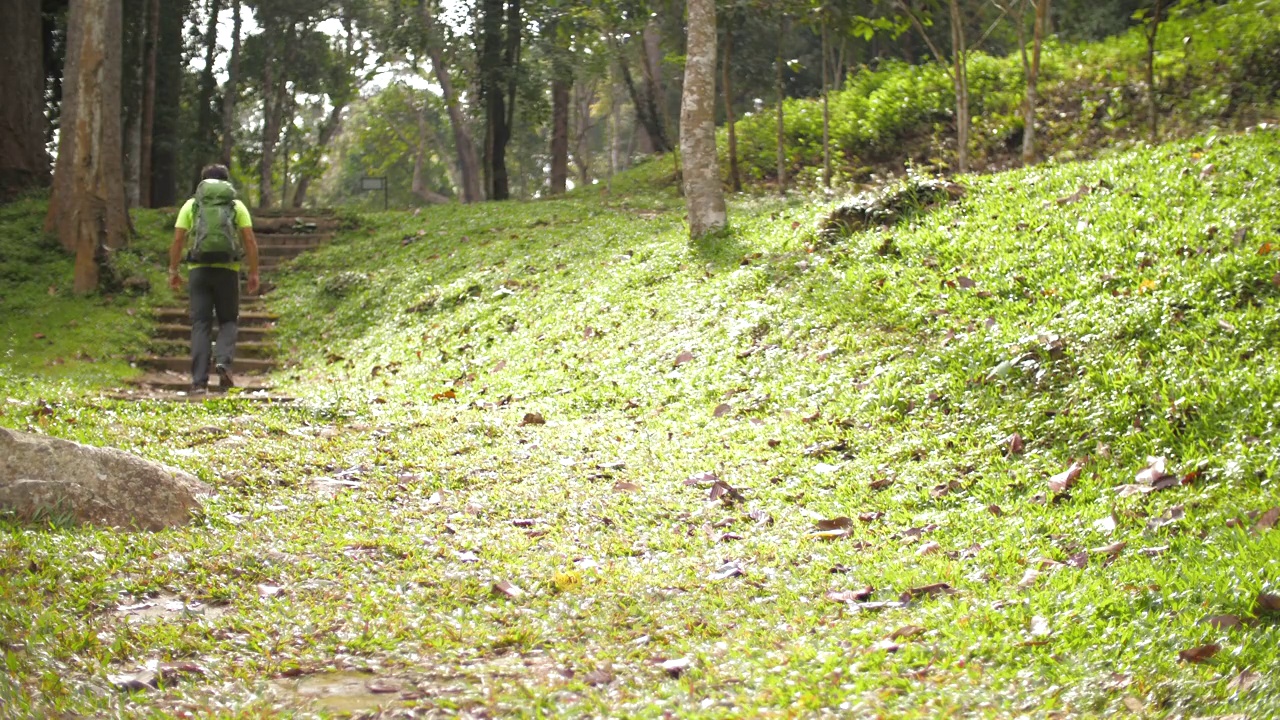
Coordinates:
282	235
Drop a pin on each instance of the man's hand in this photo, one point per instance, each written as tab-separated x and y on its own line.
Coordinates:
175	280
253	283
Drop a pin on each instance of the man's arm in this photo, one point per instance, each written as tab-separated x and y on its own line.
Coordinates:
251	256
175	257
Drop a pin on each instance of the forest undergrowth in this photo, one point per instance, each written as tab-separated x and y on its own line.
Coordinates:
1013	455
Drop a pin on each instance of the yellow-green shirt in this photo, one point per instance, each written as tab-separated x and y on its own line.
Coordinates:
186	219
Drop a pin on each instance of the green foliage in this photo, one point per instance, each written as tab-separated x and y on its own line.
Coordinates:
1090	97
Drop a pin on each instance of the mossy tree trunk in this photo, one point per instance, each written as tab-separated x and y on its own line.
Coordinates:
23	161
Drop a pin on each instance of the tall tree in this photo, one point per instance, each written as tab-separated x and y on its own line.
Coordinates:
87	208
726	88
704	196
231	90
464	144
957	67
23	161
166	131
206	144
501	34
561	85
147	123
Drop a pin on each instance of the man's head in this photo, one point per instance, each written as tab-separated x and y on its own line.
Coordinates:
215	172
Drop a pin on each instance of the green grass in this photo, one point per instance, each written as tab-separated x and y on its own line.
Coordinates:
857	378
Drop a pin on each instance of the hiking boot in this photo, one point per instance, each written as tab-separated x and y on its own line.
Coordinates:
198	390
224	378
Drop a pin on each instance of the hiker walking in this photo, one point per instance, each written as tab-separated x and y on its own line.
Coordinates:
222	235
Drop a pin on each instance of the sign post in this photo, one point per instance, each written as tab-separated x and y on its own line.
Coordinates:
373	184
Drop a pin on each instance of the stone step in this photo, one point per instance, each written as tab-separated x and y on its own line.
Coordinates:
182	331
294	225
181	363
275	212
176	347
181	381
181	315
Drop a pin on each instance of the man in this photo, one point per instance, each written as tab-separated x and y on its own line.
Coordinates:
222	234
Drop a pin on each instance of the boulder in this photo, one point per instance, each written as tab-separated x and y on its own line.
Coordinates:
41	475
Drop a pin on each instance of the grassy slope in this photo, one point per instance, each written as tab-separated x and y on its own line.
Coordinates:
1137	324
1093	98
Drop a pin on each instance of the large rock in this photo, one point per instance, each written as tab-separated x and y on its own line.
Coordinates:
102	486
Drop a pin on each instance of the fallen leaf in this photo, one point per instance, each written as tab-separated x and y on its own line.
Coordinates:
1105	525
721	489
839	523
533	418
1268	603
849	596
1074	197
1063	481
1155	551
1134	705
927	591
446	395
722	409
906	632
1155	470
880	484
1029	578
1221	622
1245	680
267	590
683	358
1199	654
995	510
929	548
886	645
728	570
1112	549
506	588
1078	560
1040	627
702	478
624	486
1013	445
884	605
966	282
1268	519
598	677
133	682
675	668
38	336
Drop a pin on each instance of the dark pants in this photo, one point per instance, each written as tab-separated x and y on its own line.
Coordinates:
213	291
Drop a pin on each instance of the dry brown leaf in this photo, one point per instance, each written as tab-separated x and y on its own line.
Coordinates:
598	677
1199	654
1268	603
675	668
507	589
906	632
850	596
966	282
1112	549
1245	680
625	486
684	357
929	548
533	418
722	409
927	591
1063	481
1153	472
1014	444
839	523
1268	519
1029	578
1074	197
1221	622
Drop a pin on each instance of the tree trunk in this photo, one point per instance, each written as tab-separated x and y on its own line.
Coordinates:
468	162
561	83
168	106
960	76
704	195
781	93
146	140
206	142
735	178
330	128
1033	76
654	96
1153	33
646	111
88	208
134	64
232	89
826	111
23	162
